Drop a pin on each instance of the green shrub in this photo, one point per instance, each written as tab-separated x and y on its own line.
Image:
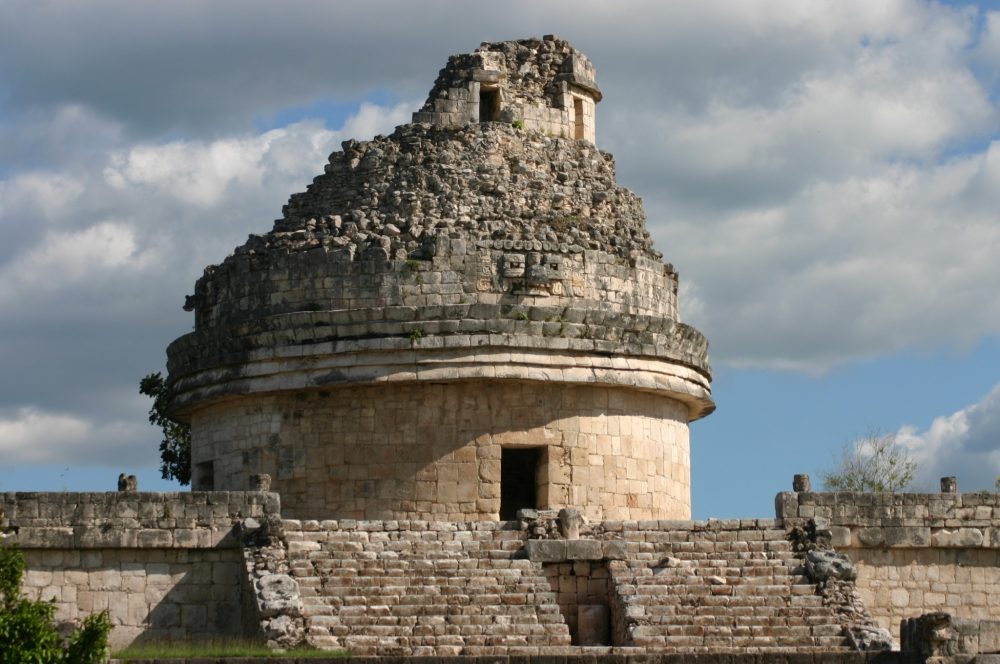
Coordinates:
26	629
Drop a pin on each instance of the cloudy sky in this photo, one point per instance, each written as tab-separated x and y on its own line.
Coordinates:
824	175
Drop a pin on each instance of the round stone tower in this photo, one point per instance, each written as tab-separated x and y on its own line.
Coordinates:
453	322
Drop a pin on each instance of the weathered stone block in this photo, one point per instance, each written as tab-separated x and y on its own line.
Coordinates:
584	549
278	595
961	537
547	551
614	549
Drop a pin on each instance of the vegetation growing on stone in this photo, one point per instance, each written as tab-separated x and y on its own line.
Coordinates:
27	632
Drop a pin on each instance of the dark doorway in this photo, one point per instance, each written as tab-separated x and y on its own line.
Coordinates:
489	105
518	480
203	477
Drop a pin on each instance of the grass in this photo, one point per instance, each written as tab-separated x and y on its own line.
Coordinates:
185	649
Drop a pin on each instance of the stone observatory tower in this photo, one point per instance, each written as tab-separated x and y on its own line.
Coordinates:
454	322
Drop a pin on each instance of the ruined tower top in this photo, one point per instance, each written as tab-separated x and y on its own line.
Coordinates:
543	84
455	321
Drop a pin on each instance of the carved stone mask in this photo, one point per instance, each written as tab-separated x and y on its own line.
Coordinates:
512	266
544	268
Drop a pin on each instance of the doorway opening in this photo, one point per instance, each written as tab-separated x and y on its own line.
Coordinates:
489	104
203	477
519	468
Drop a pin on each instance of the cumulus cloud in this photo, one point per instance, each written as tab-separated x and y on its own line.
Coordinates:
852	268
965	444
824	221
31	436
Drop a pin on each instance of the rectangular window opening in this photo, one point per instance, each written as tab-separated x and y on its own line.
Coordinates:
519	469
578	132
489	105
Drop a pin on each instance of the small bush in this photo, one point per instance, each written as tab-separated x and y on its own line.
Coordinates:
26	629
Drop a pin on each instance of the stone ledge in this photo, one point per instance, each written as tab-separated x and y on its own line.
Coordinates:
575	328
319	369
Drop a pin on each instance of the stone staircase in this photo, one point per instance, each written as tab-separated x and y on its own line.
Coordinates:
728	586
420	588
469	588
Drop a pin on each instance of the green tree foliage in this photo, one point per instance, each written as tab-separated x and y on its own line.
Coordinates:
873	463
27	633
175	448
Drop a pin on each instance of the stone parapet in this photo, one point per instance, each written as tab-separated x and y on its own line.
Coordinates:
72	520
900	520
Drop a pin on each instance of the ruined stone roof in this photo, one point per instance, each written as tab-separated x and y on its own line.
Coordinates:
525	229
487	182
536	69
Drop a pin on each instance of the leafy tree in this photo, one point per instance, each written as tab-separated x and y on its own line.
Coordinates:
27	633
876	462
175	448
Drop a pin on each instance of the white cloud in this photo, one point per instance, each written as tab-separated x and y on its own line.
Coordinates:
32	435
988	49
851	268
372	119
205	174
38	195
965	444
847	214
62	262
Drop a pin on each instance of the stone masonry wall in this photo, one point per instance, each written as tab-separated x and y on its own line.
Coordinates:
545	84
501	194
433	451
165	566
915	553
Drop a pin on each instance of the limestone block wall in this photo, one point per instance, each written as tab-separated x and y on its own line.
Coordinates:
151	594
533	81
165	566
433	451
331	280
916	553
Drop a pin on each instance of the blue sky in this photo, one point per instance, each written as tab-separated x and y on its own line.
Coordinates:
824	175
